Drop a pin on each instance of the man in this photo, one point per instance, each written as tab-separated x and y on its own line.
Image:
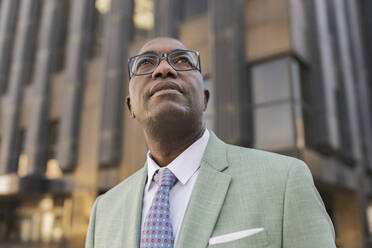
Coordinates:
195	190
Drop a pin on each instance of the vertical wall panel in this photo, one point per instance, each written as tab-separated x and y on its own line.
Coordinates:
18	76
228	69
8	14
348	80
81	12
321	85
365	121
329	73
361	83
36	140
116	43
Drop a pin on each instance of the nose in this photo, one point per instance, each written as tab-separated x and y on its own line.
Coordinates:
164	70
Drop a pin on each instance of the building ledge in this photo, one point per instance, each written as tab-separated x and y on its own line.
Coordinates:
328	170
12	184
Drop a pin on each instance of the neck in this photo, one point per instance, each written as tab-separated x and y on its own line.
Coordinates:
167	145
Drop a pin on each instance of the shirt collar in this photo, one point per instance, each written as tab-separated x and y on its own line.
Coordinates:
183	166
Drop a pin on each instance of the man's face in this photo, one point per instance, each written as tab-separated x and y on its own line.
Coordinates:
166	94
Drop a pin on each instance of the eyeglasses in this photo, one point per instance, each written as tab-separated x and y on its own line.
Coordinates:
179	60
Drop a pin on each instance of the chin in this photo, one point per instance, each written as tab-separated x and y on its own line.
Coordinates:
172	119
170	113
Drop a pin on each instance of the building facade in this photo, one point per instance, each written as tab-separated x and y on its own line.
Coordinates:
288	76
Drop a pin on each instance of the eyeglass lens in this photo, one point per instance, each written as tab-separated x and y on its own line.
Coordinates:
181	61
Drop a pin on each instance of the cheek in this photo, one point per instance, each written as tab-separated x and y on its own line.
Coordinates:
136	90
198	97
138	103
134	100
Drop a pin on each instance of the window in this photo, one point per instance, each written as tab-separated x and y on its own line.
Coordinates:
275	99
103	6
62	37
31	65
52	142
52	167
143	19
271	81
273	126
96	34
21	158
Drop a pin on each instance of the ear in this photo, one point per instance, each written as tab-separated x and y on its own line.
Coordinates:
127	100
206	98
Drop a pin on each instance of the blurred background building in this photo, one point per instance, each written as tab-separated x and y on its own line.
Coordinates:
289	76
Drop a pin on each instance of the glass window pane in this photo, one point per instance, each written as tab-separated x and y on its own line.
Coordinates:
274	127
271	81
143	19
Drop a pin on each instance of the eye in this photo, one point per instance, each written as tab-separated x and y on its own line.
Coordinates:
184	60
144	62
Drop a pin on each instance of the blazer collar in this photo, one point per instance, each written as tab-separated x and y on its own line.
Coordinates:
205	204
207	198
132	206
215	154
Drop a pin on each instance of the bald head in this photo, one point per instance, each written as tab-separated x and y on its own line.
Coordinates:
161	45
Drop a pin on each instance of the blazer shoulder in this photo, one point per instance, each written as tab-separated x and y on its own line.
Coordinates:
266	172
253	158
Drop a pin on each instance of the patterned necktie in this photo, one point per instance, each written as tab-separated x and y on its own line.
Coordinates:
157	229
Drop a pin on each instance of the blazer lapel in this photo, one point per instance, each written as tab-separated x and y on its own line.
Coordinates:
132	227
207	198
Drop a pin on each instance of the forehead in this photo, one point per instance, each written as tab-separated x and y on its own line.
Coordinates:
162	45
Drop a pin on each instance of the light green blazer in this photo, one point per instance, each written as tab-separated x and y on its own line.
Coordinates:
237	189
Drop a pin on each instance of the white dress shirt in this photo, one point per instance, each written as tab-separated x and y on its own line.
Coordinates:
186	168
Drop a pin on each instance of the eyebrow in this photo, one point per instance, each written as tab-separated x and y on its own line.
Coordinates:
147	52
153	52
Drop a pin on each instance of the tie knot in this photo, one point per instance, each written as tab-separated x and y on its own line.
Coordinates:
165	177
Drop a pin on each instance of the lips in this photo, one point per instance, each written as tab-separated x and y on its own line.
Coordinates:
168	87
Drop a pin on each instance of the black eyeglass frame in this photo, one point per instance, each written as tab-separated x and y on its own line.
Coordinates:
160	56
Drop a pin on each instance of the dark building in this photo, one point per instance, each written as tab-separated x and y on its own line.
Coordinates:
289	76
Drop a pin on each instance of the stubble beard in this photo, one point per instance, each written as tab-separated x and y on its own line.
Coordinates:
173	127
